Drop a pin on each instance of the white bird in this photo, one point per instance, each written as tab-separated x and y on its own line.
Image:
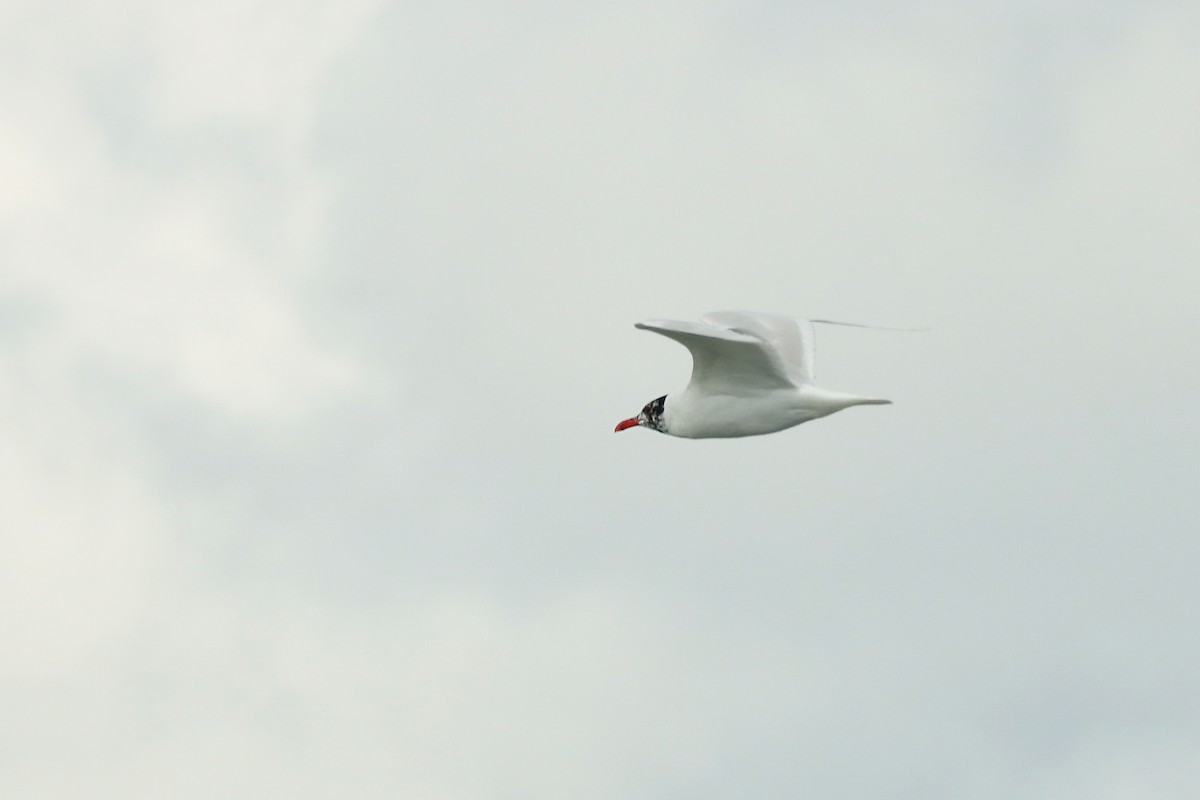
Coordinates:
752	373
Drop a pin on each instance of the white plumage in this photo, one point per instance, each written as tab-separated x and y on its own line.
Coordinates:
752	373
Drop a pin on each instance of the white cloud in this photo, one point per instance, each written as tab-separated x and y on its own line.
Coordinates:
82	534
185	268
180	275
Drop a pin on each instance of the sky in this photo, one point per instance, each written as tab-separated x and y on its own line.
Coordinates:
316	319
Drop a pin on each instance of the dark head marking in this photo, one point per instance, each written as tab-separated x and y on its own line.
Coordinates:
652	413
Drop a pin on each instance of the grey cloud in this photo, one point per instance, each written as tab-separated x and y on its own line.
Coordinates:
380	540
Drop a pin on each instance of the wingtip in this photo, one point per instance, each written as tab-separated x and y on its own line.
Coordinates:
871	327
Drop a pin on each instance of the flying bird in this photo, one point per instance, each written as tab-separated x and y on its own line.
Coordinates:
752	374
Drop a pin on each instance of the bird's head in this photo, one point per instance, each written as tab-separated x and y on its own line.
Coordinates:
651	417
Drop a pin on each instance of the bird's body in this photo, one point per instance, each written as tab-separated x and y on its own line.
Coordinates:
701	415
752	374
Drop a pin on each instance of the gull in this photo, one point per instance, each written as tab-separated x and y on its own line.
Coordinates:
752	373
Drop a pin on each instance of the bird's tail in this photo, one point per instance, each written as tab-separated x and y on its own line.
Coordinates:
831	401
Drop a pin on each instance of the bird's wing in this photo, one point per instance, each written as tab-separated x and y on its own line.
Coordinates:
792	338
725	361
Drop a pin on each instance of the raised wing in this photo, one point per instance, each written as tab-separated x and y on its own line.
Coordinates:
791	337
725	361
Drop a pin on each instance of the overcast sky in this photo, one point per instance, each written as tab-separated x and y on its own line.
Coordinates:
315	321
